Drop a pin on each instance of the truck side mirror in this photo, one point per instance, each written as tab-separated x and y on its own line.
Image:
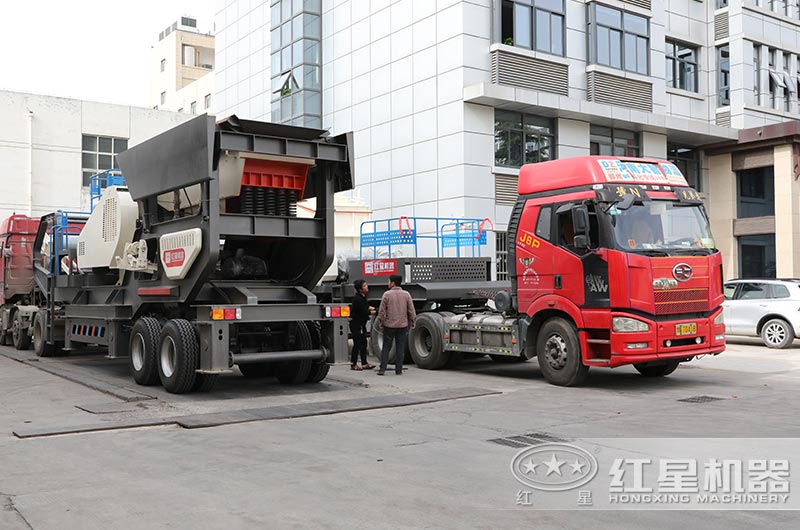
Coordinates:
581	242
7	252
580	219
626	202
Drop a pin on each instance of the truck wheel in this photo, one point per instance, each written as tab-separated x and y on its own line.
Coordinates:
178	356
204	382
143	358
296	372
257	370
559	353
426	342
777	333
22	341
319	369
656	370
40	346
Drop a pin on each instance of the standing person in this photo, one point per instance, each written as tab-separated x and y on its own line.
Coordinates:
360	312
396	315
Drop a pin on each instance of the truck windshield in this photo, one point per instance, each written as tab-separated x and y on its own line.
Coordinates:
661	225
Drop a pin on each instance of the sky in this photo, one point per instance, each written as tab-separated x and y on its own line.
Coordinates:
88	49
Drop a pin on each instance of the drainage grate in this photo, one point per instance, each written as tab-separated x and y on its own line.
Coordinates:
701	399
526	440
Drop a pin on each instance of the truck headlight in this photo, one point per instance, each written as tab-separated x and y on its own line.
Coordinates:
719	319
628	325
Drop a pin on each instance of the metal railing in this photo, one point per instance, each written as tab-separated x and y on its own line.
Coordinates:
459	236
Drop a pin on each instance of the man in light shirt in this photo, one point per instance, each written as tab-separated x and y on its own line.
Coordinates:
396	315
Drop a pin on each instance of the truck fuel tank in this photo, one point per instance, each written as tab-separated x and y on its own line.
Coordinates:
485	333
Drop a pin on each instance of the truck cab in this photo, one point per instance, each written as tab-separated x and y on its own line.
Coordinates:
614	257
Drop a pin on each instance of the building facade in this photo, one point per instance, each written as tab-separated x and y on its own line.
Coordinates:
448	98
182	72
49	147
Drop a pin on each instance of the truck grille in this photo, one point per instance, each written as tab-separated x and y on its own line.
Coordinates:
681	301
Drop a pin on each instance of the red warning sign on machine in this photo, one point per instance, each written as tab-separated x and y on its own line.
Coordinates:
174	258
379	267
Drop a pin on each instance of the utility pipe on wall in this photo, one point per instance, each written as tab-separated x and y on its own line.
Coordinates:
30	162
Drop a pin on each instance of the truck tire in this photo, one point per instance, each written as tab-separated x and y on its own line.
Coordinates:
559	353
204	382
257	370
319	369
143	357
40	347
426	342
656	370
777	333
22	340
178	356
296	372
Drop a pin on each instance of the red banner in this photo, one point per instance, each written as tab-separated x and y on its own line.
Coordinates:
379	267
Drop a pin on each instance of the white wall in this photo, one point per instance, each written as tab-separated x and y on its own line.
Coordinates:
58	124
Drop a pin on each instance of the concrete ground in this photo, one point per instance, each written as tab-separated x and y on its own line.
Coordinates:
430	465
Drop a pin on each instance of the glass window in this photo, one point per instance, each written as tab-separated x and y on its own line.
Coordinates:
297	6
311	51
208	101
606	141
501	255
193	107
533	24
163	64
275	15
99	153
543	223
753	291
681	67
286	34
729	290
313	6
286	10
687	161
724	75
619	39
756	197
757	256
779	291
522	139
311	27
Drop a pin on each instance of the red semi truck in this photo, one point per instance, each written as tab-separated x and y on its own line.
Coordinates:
611	262
16	279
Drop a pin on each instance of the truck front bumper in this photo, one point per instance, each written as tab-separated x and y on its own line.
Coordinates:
667	340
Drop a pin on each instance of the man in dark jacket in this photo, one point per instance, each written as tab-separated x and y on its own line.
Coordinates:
360	312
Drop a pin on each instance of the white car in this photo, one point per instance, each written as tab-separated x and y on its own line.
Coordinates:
769	309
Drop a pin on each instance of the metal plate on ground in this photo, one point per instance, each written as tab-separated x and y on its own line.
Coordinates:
701	399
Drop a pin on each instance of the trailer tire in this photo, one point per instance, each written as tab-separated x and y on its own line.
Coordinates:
319	369
178	356
204	382
144	350
656	370
426	342
22	341
559	353
40	346
296	372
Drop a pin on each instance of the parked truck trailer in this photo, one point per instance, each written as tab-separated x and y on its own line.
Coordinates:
610	261
198	262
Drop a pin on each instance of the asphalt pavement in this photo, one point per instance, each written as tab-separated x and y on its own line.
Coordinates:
423	450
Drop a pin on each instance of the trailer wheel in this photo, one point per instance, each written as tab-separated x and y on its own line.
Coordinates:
22	341
656	370
40	346
178	356
319	369
559	353
426	342
376	344
296	372
143	357
204	382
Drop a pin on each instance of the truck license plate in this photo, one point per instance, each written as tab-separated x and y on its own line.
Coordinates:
686	329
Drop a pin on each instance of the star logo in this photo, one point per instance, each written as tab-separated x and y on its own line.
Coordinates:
577	467
554	465
530	467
